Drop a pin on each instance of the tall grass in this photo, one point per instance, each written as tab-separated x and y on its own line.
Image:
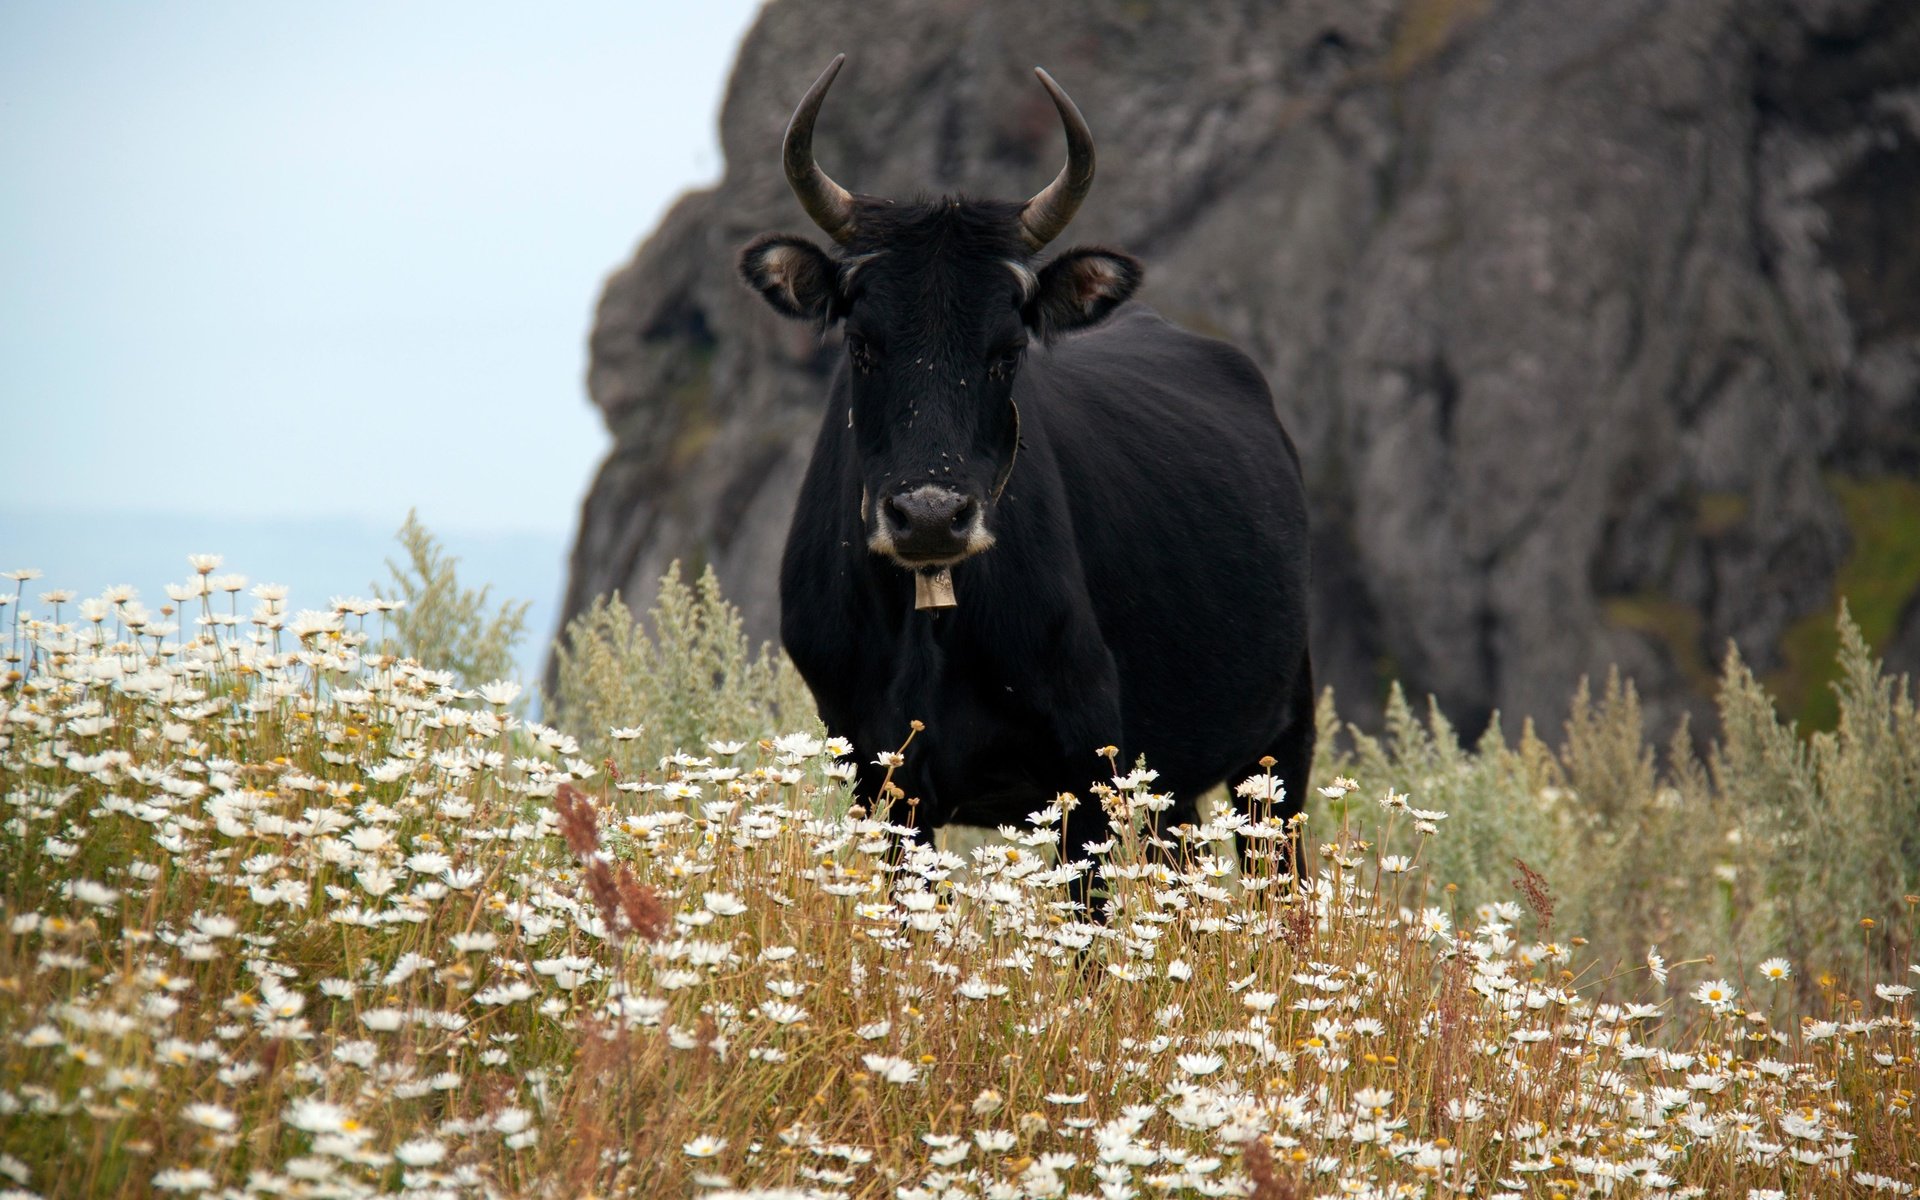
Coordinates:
287	914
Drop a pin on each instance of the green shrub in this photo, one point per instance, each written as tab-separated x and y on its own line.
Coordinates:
694	679
1838	813
1775	844
442	623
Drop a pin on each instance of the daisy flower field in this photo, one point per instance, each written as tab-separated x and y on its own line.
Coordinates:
287	911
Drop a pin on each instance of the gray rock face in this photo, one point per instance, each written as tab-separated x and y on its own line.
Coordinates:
1586	317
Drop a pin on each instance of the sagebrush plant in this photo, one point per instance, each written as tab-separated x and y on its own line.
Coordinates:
288	915
1776	843
1837	835
438	620
637	697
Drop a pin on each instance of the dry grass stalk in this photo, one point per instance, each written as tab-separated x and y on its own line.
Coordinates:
1533	888
627	907
1268	1183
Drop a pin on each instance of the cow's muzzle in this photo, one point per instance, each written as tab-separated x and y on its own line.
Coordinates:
930	526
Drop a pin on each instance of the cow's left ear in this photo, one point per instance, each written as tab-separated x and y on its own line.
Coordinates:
792	274
1080	287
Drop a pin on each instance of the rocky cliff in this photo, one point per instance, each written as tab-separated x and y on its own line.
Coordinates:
1598	325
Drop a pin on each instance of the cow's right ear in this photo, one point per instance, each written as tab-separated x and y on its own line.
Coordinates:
792	274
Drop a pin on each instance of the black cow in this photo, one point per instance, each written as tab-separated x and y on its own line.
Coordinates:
1038	519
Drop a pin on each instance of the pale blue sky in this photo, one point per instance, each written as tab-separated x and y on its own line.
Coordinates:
262	262
329	258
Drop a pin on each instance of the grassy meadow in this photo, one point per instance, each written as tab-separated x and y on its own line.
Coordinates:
300	902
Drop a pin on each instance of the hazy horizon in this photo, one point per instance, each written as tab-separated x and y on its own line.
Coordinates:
316	557
305	267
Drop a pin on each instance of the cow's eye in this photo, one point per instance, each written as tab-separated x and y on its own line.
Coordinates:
1004	366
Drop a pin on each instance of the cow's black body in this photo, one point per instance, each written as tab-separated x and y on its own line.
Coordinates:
1147	589
1135	576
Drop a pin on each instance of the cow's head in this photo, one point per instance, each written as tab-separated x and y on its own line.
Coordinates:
937	300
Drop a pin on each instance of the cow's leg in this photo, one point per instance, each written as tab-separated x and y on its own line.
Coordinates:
922	825
1163	844
1083	836
1075	687
868	782
897	847
1292	755
1082	731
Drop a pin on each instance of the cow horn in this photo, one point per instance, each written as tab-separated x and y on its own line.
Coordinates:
829	204
1044	216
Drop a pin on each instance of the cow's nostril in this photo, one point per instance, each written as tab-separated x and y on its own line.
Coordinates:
963	516
897	516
